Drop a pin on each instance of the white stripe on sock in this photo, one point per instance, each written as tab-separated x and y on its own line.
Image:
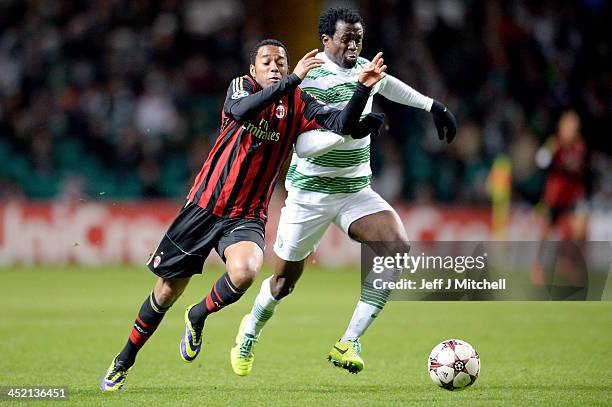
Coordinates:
262	310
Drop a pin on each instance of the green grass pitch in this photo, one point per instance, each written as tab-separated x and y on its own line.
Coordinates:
62	326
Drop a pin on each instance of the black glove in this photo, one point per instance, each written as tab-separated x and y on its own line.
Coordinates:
443	118
369	125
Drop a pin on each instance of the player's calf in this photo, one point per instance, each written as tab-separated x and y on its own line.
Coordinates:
222	294
150	315
286	275
148	319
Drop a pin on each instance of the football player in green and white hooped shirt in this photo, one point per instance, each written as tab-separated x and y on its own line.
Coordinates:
334	187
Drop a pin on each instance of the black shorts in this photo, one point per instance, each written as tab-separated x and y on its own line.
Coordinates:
193	234
557	212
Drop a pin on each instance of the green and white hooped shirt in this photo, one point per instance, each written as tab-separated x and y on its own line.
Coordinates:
345	169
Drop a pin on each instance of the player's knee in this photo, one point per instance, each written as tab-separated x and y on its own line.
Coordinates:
385	233
399	246
166	293
243	274
397	235
390	247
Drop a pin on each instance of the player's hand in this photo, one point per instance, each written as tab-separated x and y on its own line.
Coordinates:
445	121
374	72
369	125
307	62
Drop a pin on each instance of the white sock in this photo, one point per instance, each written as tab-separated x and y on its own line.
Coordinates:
371	302
363	316
262	310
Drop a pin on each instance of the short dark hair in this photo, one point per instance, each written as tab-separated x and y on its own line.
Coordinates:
328	20
263	43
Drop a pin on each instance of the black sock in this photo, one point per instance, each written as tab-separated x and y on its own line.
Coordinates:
222	294
147	320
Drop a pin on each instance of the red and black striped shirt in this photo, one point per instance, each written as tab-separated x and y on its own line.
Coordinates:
258	130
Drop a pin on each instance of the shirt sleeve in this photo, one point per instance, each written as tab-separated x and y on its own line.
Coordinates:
397	91
243	101
318	115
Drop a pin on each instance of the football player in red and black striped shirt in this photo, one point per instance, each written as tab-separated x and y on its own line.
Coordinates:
226	209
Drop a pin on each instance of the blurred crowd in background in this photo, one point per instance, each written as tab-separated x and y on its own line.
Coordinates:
122	99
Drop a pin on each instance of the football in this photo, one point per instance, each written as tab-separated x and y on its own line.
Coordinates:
454	364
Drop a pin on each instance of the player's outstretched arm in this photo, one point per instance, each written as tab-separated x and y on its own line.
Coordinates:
242	101
320	141
318	115
344	121
397	91
369	125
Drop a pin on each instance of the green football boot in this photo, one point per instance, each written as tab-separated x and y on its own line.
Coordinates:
346	356
242	355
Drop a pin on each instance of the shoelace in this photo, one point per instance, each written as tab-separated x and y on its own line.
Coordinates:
198	332
247	346
117	369
356	346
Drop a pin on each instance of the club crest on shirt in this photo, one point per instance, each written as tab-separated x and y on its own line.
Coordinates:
240	94
280	111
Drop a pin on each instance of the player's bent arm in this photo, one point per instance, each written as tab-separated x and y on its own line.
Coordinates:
397	91
241	102
317	142
314	139
340	121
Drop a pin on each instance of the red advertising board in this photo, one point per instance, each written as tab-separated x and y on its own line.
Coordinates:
108	233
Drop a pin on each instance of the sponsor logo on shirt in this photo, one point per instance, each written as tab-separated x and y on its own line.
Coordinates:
261	131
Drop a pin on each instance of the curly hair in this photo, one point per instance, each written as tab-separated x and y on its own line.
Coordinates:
328	20
263	43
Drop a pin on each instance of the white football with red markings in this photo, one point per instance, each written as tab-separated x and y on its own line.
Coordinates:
453	364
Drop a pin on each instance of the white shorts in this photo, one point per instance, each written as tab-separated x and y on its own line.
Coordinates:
306	216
